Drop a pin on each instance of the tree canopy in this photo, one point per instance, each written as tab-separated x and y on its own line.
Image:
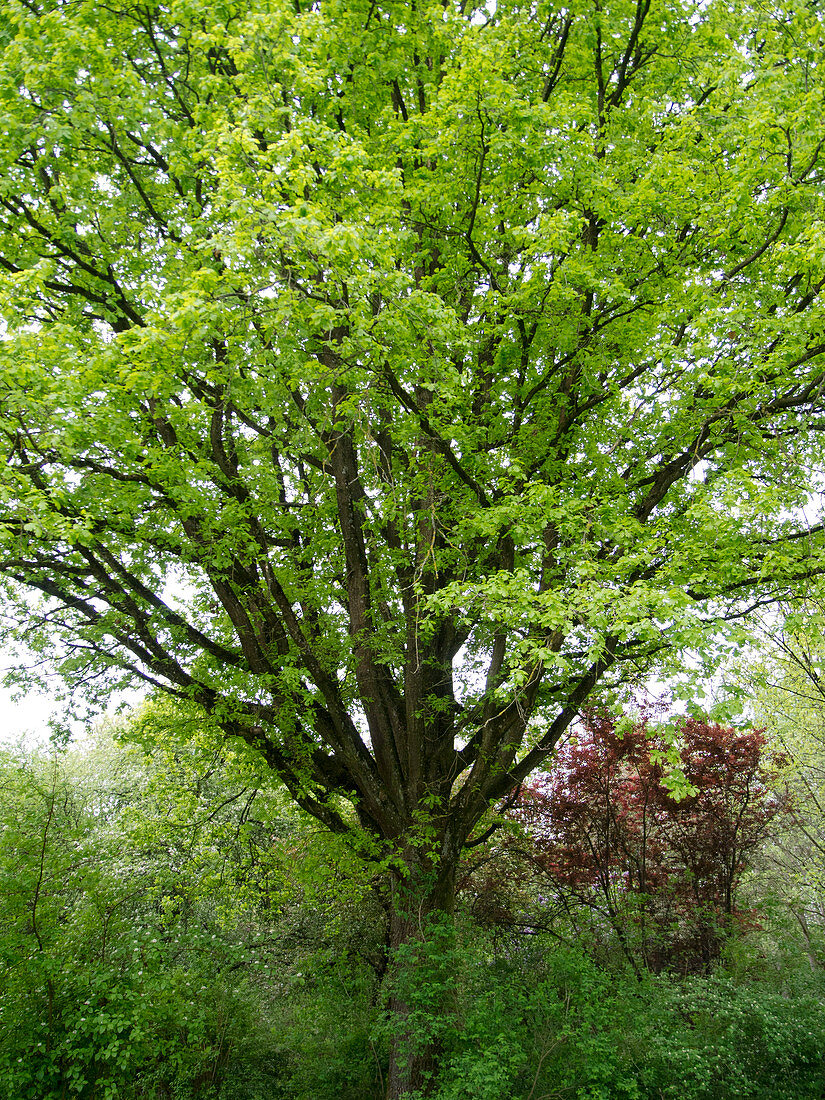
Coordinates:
387	378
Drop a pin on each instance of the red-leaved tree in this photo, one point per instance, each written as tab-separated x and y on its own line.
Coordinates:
656	875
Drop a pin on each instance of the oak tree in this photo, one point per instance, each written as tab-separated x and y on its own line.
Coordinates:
388	377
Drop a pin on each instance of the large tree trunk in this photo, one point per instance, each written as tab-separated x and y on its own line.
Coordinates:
422	970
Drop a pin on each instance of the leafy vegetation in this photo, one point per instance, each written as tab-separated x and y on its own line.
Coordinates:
653	872
385	383
171	927
116	967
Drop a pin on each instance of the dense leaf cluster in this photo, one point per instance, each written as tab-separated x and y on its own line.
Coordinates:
388	378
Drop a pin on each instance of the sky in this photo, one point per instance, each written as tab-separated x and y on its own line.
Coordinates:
26	718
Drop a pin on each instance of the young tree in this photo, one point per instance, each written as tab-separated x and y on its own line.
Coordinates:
388	378
788	692
606	832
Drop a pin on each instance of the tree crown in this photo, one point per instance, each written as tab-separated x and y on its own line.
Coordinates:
388	378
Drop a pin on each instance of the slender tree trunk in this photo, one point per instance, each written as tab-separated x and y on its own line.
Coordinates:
422	972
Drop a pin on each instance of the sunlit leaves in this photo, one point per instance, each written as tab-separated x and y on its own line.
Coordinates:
387	379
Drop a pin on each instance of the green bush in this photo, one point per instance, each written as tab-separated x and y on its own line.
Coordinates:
322	1031
109	988
708	1039
511	1024
168	1029
548	1021
543	1026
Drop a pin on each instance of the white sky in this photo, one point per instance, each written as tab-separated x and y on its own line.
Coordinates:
26	719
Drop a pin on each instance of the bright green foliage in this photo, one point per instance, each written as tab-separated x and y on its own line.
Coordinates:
129	965
533	1019
389	378
710	1040
787	691
553	1024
